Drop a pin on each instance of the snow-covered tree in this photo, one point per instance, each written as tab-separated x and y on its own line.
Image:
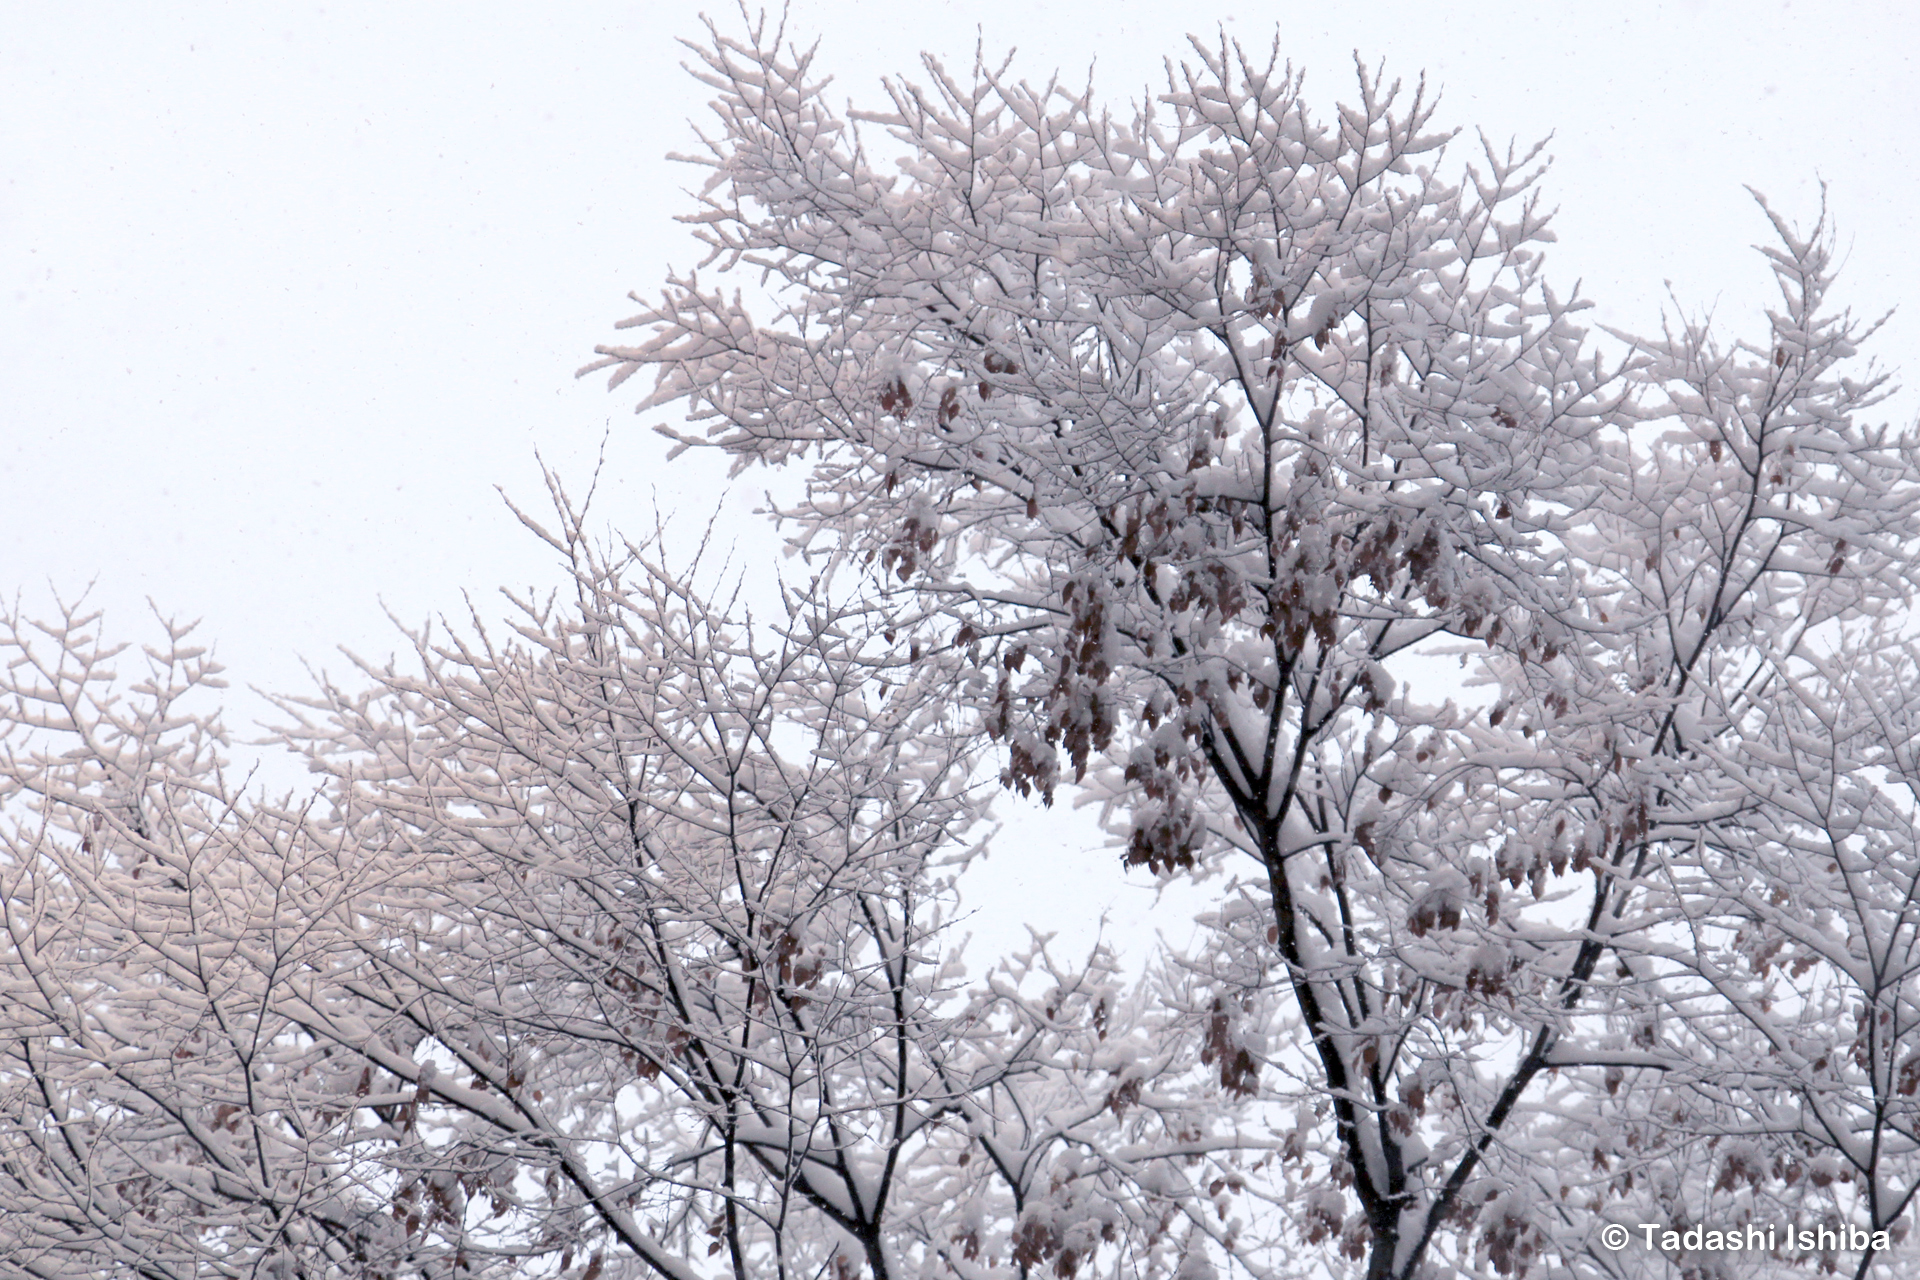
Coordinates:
162	1112
1191	429
1156	457
617	945
679	987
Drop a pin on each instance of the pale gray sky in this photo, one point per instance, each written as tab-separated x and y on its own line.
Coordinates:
285	290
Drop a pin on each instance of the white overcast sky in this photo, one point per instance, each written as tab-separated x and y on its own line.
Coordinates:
286	290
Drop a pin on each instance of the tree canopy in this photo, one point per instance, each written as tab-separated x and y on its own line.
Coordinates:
1150	457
